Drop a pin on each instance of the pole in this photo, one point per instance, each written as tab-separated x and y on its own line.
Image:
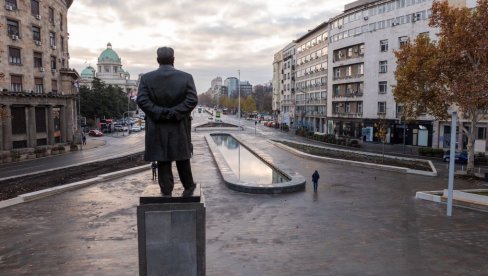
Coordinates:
404	129
452	155
239	99
77	85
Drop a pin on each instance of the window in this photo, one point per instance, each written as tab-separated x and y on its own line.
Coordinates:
384	45
348	107
382	87
349	52
336	107
39	84
54	86
36	33
37	60
52	39
361	49
360	107
13	27
35	7
11	4
61	22
481	133
383	66
14	56
337	73
51	15
381	107
399	110
16	83
361	69
62	44
349	71
53	63
106	68
402	41
337	90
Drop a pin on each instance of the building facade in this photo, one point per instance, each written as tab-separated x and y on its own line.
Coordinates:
277	81
245	88
232	84
37	88
110	71
311	79
344	75
362	43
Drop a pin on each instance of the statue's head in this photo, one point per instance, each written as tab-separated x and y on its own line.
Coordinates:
166	56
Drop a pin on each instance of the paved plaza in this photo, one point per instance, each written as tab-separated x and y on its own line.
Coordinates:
361	222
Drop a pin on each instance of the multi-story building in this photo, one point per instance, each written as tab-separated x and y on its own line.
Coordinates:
287	107
362	41
246	88
232	84
277	81
311	79
110	72
37	91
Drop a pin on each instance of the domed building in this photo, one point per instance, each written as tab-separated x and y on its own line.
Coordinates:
109	71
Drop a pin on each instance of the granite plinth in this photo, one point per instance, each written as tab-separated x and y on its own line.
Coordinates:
152	195
171	233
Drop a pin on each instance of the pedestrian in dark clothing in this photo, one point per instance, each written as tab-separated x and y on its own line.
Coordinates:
167	96
154	166
83	138
315	180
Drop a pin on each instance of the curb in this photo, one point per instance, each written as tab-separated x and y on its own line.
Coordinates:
357	163
71	186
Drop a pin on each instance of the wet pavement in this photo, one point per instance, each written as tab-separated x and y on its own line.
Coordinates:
361	222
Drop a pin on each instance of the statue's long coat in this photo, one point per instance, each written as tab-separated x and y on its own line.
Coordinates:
167	96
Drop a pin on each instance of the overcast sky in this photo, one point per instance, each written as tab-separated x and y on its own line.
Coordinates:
210	37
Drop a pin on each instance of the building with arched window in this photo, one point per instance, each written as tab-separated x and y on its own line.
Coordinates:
109	70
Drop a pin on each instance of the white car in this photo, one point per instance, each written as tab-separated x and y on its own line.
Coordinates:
136	128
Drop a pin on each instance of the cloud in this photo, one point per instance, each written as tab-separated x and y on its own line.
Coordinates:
211	38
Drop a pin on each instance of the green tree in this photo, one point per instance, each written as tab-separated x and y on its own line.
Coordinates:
102	101
450	72
248	104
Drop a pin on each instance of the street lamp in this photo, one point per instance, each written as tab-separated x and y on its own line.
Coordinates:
452	152
239	98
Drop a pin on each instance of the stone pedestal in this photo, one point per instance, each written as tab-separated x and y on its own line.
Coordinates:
171	233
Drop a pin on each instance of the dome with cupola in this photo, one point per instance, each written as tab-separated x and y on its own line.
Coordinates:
88	72
109	55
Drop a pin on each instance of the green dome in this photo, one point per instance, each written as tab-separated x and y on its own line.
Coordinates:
109	55
88	72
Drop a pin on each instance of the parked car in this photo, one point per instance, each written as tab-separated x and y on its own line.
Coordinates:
459	156
120	128
95	132
136	128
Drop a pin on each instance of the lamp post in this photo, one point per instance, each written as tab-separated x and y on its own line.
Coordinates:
77	86
452	152
239	98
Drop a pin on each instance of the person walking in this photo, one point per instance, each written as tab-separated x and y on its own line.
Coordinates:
168	96
315	180
83	138
154	166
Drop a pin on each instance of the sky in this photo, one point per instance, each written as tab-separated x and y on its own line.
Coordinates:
210	37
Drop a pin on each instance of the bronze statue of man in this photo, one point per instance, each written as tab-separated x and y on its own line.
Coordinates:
167	96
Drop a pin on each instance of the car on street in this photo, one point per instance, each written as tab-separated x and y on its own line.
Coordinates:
459	156
136	128
120	128
95	133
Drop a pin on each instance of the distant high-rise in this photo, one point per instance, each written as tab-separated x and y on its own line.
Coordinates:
232	86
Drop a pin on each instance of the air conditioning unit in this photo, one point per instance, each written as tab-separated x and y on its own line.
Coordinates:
14	37
341	54
365	18
341	105
9	7
41	69
38	43
394	22
53	47
38	17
